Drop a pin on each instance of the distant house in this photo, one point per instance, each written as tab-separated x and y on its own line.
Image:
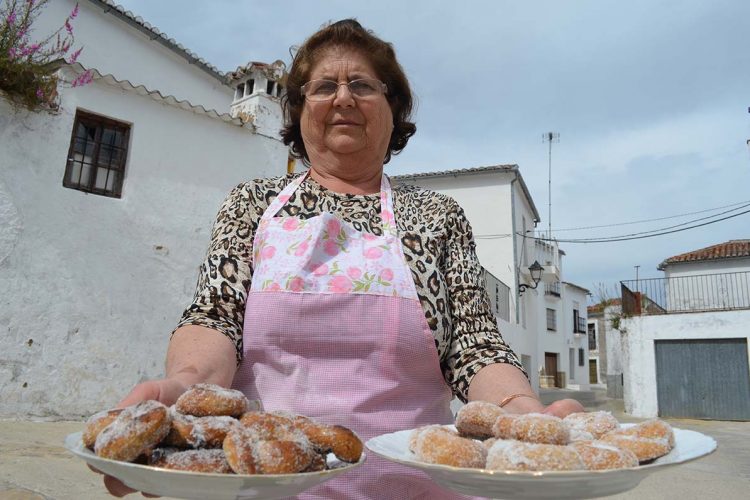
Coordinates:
106	206
685	336
544	323
708	278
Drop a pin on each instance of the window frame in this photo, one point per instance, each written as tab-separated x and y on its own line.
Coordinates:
553	327
100	123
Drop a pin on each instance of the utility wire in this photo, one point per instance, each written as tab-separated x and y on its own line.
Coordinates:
665	228
651	220
625	238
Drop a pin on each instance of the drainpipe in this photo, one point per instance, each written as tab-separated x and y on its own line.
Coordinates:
515	247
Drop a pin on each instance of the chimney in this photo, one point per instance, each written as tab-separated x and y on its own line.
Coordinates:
257	91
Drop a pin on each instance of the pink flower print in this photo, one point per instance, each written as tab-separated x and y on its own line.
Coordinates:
274	287
340	284
320	270
296	284
387	216
284	198
301	249
267	252
331	247
373	253
290	224
386	274
354	273
369	237
334	228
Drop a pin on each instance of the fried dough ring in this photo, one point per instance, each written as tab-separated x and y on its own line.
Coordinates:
596	423
648	440
248	454
476	418
96	423
136	429
336	439
203	400
205	460
438	445
517	455
599	455
198	432
532	428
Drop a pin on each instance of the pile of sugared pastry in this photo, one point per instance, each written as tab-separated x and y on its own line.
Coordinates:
212	429
488	437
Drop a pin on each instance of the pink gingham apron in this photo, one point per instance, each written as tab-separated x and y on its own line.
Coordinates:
334	330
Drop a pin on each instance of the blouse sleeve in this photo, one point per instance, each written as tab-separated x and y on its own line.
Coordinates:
475	341
225	274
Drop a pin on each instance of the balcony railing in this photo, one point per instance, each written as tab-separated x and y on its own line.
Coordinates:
700	293
579	325
552	289
499	294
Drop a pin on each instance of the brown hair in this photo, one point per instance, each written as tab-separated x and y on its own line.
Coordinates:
348	33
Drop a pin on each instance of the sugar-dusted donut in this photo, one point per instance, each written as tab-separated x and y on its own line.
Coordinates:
188	431
203	400
248	454
96	423
336	439
596	423
600	455
517	455
438	445
648	440
136	429
206	460
476	418
532	428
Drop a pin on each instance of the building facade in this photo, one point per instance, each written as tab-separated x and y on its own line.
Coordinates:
106	207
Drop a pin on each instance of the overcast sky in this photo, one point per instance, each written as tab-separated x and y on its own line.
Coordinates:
650	99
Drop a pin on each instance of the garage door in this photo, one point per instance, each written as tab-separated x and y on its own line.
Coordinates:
704	378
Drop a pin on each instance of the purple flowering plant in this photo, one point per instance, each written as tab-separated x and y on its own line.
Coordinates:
28	65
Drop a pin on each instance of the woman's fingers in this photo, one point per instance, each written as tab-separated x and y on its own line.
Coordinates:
564	407
116	488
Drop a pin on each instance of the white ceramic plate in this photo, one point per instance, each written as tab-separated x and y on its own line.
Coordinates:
689	445
200	486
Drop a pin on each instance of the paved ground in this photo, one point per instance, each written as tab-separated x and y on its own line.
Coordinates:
35	466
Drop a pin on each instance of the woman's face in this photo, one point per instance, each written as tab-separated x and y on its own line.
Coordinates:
345	125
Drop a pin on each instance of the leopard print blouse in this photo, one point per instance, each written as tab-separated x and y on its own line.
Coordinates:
439	249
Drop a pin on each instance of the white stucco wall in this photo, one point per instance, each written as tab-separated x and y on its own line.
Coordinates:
114	47
640	332
91	286
715	284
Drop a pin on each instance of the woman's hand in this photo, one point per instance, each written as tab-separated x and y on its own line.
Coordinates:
564	407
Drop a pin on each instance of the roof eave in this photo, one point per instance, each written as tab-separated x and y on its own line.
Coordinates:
511	168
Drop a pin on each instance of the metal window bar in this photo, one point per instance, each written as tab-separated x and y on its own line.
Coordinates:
552	288
98	147
679	294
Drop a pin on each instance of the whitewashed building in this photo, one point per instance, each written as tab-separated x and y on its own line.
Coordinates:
685	338
535	319
106	206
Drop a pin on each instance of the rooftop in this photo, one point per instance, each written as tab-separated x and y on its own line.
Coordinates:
731	249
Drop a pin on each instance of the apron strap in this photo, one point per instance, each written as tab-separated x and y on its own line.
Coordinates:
386	202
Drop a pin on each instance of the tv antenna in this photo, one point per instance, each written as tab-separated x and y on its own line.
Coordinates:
550	137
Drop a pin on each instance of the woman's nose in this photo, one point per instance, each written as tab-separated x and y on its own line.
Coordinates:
343	96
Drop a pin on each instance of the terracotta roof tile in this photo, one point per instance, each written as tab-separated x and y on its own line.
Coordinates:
729	250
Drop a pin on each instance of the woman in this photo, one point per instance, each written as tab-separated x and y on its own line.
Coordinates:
343	298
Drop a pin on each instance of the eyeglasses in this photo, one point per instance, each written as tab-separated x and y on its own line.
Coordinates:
324	90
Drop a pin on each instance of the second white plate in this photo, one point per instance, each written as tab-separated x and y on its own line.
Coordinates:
689	445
